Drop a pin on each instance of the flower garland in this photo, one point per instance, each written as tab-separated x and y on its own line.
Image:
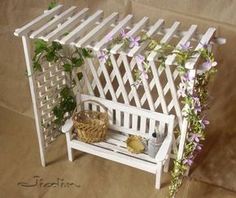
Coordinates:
192	90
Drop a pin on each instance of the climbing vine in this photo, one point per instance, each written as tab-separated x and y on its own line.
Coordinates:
192	90
54	53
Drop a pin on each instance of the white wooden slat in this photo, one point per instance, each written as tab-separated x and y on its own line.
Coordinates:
143	124
32	84
98	30
159	88
67	26
84	26
119	78
153	30
87	82
133	32
131	80
206	38
121	158
37	22
146	87
113	32
183	41
152	124
130	109
134	122
107	77
53	23
174	95
126	120
96	78
123	150
170	33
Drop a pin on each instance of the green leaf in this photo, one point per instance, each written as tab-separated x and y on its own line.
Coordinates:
80	75
67	67
56	46
40	46
86	53
37	66
77	62
50	56
52	5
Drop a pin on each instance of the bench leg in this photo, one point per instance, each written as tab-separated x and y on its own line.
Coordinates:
167	162
158	175
69	149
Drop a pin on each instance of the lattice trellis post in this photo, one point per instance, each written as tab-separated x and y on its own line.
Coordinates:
79	28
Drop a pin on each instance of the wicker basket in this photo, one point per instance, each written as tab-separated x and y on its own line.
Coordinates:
91	126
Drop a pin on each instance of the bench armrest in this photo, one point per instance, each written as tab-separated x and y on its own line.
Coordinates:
163	151
67	126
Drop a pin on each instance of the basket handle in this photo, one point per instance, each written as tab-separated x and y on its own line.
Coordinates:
94	101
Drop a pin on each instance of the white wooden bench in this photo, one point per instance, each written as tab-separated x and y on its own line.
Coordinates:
126	120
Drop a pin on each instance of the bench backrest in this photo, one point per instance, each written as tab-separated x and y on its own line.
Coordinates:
129	119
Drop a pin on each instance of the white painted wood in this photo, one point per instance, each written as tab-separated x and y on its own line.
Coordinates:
133	32
28	60
86	31
183	41
67	26
204	41
114	32
153	30
40	20
117	157
158	175
130	109
78	31
53	23
165	39
98	30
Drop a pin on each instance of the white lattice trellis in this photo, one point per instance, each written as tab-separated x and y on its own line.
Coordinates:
79	28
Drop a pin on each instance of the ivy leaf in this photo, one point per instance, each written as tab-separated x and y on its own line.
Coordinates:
37	66
67	67
80	75
65	92
77	62
86	53
40	46
52	5
56	46
50	56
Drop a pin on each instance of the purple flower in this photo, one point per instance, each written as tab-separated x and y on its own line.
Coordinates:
103	57
198	146
205	45
197	104
123	34
134	41
186	46
140	59
188	161
182	89
204	122
109	37
195	137
188	76
209	64
144	74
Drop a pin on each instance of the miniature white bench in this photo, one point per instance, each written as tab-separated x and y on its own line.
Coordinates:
126	120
